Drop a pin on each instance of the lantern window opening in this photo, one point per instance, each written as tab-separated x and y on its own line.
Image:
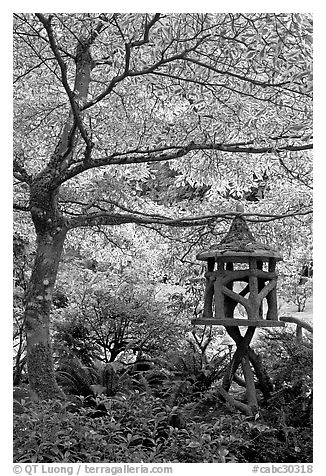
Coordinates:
240	312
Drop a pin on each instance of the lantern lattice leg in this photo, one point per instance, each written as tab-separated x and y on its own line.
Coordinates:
241	351
209	291
245	356
265	384
250	384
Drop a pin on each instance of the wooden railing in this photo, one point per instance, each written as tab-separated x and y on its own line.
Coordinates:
300	325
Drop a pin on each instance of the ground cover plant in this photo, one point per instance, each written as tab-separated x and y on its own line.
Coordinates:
138	425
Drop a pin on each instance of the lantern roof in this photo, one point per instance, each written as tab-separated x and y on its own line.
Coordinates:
238	245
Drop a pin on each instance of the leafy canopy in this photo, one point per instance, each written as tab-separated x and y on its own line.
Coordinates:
214	96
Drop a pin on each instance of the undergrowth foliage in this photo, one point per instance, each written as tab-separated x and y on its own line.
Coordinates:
292	372
169	410
174	420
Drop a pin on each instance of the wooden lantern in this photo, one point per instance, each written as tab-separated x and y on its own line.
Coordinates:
240	258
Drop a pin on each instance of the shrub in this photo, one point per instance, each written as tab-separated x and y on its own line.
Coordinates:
136	429
79	379
139	428
288	414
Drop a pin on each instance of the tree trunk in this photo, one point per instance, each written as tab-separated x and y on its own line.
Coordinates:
37	313
51	227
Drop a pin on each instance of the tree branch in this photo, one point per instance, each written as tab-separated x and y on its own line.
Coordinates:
103	219
256	82
19	171
21	208
81	49
46	22
175	152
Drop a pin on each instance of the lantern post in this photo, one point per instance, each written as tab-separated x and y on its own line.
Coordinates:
241	271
